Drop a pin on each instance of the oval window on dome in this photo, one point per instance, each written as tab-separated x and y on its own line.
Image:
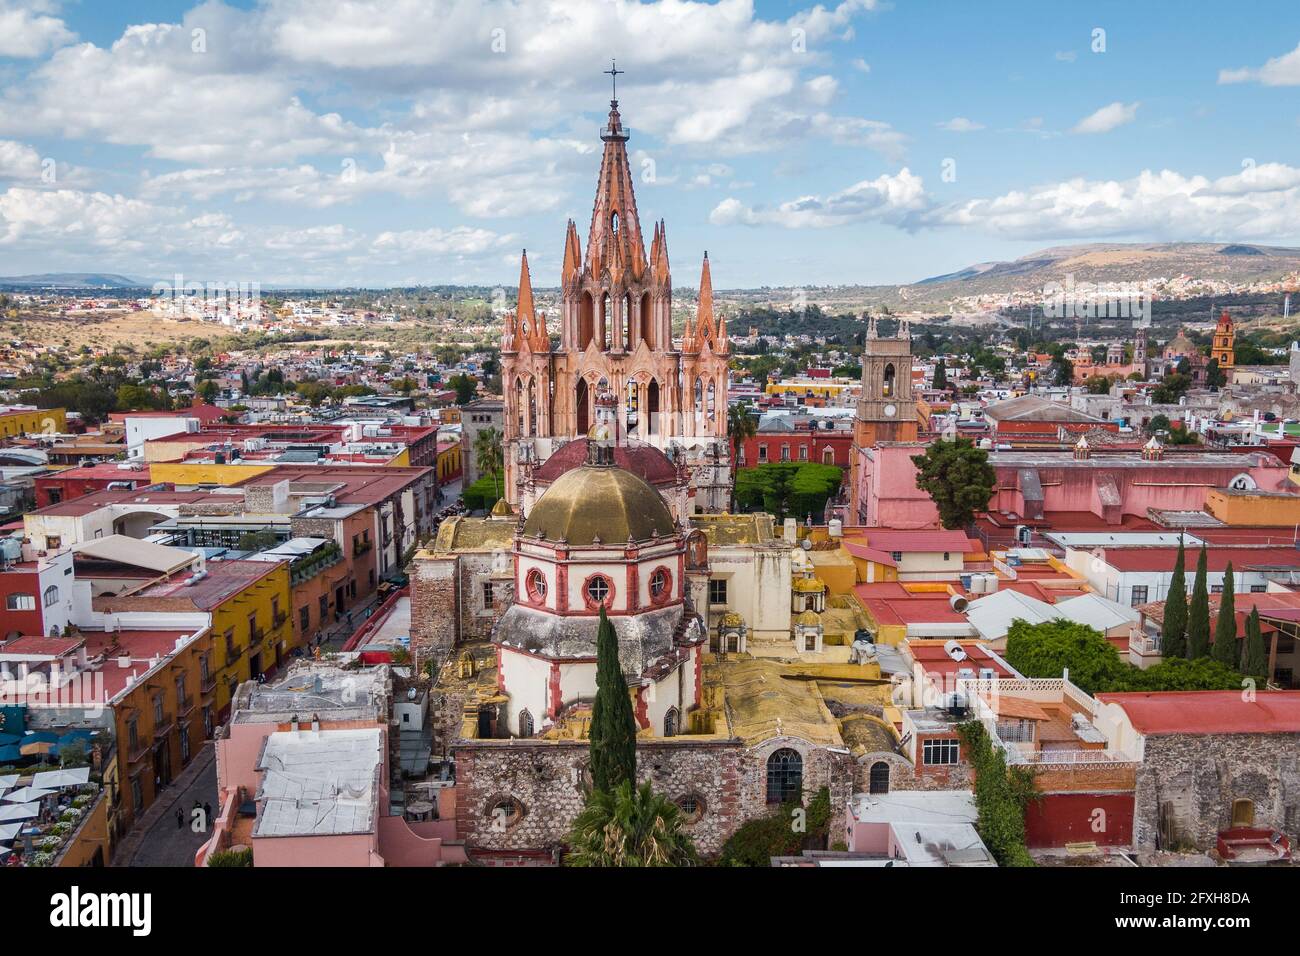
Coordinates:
660	582
598	590
536	585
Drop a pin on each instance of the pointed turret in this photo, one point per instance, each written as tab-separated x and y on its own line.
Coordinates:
706	332
614	219
572	255
529	326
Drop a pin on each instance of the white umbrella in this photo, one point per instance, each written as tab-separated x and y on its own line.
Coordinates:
8	781
51	779
25	811
10	830
26	795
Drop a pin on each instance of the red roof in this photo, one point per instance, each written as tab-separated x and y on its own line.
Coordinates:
927	541
207	413
1210	712
1216	559
934	659
644	461
41	646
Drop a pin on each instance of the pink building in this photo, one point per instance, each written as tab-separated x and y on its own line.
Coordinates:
303	777
1108	484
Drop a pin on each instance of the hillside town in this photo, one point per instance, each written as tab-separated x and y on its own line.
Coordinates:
886	598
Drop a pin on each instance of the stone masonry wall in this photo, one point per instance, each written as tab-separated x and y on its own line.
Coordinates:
549	780
433	609
1200	776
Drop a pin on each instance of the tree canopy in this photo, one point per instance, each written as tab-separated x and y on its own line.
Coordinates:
958	478
784	488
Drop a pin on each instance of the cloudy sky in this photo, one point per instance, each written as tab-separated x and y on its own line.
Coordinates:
376	142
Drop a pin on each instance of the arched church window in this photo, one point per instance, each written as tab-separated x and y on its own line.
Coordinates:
613	223
672	722
525	724
598	590
535	584
784	776
503	812
880	777
887	386
659	584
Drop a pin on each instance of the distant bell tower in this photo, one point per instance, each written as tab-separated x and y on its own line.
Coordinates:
887	409
1225	337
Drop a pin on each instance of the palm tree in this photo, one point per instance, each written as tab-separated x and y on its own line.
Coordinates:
630	828
489	456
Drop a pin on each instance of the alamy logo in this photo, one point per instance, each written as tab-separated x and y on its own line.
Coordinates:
76	909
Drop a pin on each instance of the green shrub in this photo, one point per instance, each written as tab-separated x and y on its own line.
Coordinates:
757	841
224	858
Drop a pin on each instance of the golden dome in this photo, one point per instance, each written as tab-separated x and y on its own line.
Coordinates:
501	509
596	502
732	619
809	585
809	618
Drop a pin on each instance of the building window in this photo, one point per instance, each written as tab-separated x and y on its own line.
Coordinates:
1258	588
137	794
879	777
803	452
785	452
487	595
53	542
672	722
659	582
1139	596
762	453
784	776
525	724
598	590
718	591
133	735
692	807
828	456
535	585
324	604
20	602
304	618
896	555
1216	588
503	812
51	596
941	753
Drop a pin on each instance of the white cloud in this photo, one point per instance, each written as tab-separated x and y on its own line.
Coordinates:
960	124
1261	203
1279	71
1107	118
861	65
29	28
893	199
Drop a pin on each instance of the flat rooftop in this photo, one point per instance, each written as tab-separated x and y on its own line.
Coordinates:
308	689
319	783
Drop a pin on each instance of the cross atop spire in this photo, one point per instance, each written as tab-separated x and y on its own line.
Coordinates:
614	72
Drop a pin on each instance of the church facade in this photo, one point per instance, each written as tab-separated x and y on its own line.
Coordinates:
614	346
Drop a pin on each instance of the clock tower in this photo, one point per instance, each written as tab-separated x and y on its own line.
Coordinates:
886	409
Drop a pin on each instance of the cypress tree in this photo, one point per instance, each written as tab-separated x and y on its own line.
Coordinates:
940	380
1198	613
1173	629
1256	658
613	728
1225	649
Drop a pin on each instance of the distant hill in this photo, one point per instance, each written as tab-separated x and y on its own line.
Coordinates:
1114	262
72	280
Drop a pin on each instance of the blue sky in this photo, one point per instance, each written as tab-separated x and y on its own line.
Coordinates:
399	141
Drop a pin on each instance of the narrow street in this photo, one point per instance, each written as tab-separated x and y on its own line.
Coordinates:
157	840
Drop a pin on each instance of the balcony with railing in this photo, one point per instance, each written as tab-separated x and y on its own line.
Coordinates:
310	565
255	635
163	725
361	547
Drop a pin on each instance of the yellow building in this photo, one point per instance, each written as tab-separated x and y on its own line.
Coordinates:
248	603
449	462
32	421
192	474
1260	509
